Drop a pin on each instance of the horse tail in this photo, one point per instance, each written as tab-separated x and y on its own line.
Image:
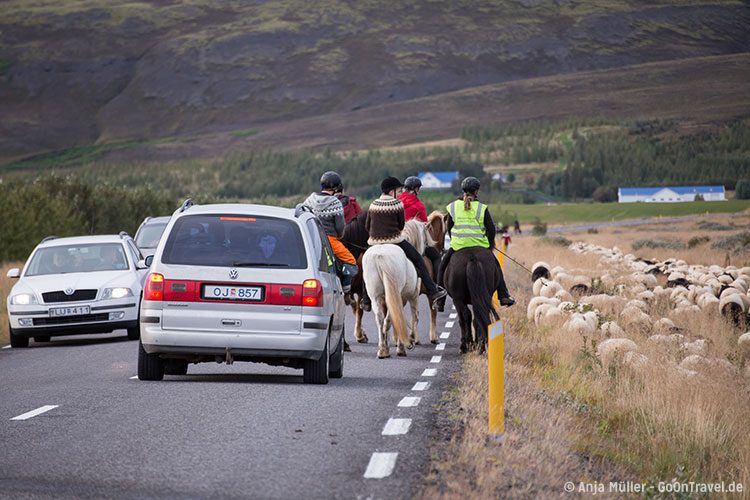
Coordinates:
393	301
481	297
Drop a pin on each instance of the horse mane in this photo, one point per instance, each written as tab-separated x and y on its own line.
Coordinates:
415	233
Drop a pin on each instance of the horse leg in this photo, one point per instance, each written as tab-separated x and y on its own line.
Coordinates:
414	306
381	321
433	325
359	333
464	321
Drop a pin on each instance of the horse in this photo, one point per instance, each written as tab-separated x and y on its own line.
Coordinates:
436	227
471	278
355	239
392	282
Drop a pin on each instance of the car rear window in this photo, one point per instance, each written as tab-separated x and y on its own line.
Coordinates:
235	241
149	234
78	259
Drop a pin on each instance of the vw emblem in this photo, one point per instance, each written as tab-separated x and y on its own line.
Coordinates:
69	291
234	274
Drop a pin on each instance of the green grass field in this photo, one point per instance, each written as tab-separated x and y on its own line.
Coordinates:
569	213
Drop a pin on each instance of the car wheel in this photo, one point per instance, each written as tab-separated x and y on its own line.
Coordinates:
134	333
336	368
17	340
150	366
42	338
175	367
316	371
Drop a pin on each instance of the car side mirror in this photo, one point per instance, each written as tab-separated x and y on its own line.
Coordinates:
145	263
14	273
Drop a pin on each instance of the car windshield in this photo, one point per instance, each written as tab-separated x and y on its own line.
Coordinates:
235	241
78	259
149	235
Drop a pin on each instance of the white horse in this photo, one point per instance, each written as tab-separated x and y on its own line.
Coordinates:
391	282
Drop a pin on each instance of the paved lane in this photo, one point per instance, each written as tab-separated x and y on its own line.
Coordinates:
240	431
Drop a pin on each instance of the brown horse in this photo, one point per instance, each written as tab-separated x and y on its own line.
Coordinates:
355	239
471	278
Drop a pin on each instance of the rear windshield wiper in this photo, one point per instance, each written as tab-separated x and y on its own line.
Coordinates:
258	264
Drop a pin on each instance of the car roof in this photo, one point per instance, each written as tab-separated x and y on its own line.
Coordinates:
239	208
82	240
157	220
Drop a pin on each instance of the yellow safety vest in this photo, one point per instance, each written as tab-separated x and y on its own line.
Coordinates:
468	225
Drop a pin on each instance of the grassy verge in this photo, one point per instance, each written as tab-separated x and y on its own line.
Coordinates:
5	285
569	213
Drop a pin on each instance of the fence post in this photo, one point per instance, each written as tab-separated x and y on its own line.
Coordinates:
496	373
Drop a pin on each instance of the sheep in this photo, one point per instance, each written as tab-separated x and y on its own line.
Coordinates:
577	323
634	317
611	329
536	302
744	344
540	270
734	307
699	347
611	351
647	296
716	366
552	316
639	304
638	363
665	326
551	289
667	341
538	285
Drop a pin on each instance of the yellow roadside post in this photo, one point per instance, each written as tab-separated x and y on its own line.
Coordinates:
496	371
495	301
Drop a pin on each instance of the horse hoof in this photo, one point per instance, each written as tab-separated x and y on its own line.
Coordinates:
346	347
383	356
464	349
401	353
434	342
410	346
363	339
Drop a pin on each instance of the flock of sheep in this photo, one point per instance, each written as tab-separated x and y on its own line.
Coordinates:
628	296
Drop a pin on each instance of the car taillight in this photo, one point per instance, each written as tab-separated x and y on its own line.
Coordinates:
179	291
312	293
154	287
285	295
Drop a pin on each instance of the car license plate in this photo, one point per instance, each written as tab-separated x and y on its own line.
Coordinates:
224	292
70	311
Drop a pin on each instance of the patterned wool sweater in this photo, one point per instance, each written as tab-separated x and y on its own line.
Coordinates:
385	221
327	208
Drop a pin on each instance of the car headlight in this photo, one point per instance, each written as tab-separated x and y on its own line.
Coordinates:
23	299
116	293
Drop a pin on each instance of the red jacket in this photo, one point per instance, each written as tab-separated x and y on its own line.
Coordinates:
351	207
413	207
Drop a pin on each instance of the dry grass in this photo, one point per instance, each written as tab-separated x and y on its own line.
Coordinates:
5	285
569	419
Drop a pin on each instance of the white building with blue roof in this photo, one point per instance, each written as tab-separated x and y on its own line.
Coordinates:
438	180
669	194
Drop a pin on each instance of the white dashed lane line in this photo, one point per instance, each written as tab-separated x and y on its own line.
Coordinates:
429	372
134	377
396	426
436	359
445	335
34	413
381	465
453	315
421	386
409	402
440	346
449	324
6	346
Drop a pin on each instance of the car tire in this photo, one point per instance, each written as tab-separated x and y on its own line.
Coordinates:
150	366
17	340
42	338
175	367
316	371
336	367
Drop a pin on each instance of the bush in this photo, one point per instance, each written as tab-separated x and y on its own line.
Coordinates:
539	228
558	241
592	230
605	194
697	240
737	243
715	226
742	189
648	243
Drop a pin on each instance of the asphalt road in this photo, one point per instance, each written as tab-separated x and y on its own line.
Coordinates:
241	431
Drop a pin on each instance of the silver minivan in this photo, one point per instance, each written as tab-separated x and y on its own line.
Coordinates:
236	282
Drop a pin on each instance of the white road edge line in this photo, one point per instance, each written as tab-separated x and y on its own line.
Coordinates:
135	377
445	335
6	346
381	465
421	386
453	315
396	426
449	324
436	359
440	346
409	402
429	372
34	413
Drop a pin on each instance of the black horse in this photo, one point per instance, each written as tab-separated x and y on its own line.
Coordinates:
355	239
471	278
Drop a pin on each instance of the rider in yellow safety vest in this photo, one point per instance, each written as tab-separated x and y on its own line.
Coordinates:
470	225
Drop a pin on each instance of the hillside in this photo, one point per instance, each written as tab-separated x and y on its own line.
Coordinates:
75	73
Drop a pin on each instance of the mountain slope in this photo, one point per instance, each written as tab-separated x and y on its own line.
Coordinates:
78	72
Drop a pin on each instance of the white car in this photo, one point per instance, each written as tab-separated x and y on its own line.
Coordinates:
77	285
242	283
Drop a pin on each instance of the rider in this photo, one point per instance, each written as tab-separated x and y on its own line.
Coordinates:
466	231
414	209
350	204
384	223
327	208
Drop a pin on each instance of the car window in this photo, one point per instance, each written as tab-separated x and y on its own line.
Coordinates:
134	252
313	227
148	235
230	240
78	258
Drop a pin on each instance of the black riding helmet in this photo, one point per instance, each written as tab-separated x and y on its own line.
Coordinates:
389	184
411	183
470	185
330	180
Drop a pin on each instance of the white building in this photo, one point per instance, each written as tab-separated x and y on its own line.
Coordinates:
438	180
669	194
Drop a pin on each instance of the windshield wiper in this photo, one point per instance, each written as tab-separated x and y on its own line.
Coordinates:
258	264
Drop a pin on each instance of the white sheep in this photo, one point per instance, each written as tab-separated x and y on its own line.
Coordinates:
536	302
551	289
637	362
611	351
611	329
744	344
577	323
540	270
633	317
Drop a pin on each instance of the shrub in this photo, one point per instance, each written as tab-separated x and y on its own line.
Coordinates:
539	228
742	189
714	226
605	194
592	230
558	241
648	243
737	243
697	240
